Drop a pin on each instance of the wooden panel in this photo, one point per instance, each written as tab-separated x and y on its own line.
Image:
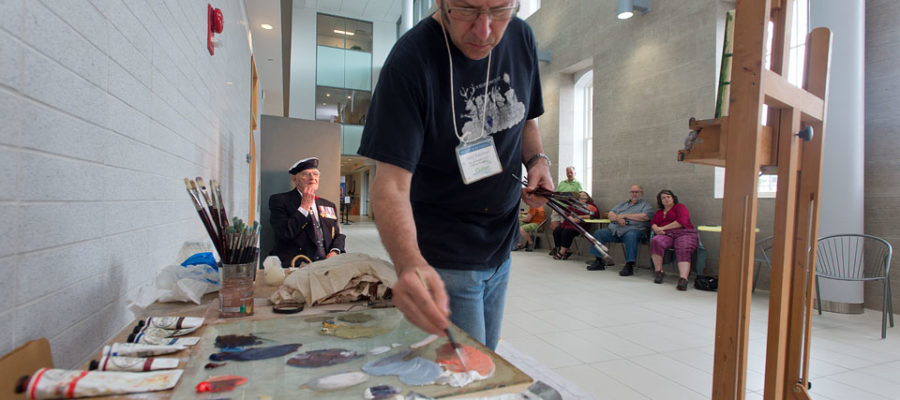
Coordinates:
780	94
24	360
739	208
818	59
782	255
709	149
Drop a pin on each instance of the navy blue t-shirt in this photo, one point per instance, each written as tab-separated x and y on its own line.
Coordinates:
458	226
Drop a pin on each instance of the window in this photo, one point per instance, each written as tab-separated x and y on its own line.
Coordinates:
528	7
343	74
583	129
768	184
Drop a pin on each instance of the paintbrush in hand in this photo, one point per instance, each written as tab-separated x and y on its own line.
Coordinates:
453	343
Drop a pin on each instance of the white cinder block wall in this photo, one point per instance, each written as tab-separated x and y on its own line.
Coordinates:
106	106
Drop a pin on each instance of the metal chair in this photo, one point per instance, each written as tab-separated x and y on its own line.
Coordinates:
856	257
763	248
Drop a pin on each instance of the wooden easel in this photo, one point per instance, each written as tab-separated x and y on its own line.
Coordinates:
741	144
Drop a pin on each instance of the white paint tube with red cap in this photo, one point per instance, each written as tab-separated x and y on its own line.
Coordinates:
49	383
135	364
185	341
139	350
160	332
174	322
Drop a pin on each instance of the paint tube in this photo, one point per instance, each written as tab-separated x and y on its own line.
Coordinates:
139	350
172	322
49	383
135	364
162	333
185	341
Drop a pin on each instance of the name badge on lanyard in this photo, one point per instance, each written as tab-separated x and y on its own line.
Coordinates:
478	160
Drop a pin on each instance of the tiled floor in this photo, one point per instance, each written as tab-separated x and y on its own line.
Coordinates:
626	338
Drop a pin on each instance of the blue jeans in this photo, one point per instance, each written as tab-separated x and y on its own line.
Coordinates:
477	299
630	238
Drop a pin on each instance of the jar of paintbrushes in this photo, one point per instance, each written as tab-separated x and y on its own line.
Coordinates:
237	244
238	269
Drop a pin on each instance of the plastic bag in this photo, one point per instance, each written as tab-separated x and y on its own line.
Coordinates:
179	283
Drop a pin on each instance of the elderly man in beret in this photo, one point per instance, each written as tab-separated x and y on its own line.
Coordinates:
304	223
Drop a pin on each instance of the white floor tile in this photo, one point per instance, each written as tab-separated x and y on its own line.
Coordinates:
548	354
645	381
598	383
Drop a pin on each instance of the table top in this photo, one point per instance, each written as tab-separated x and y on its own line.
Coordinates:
261	314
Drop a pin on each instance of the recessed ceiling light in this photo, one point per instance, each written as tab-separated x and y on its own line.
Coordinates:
327	94
228	83
265	26
348	97
338	31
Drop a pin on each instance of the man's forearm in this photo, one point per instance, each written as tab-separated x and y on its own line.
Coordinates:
390	201
531	140
637	217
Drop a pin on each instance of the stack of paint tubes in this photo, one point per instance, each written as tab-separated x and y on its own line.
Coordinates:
123	367
236	243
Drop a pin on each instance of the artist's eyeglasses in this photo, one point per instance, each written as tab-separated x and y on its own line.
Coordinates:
469	14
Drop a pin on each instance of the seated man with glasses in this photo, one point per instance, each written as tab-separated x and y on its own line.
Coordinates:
452	119
628	223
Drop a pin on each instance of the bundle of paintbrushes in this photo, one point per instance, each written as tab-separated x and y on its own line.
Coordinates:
240	242
555	202
233	242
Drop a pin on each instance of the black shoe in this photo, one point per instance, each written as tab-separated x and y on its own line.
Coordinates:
628	270
658	276
597	265
682	284
554	250
529	247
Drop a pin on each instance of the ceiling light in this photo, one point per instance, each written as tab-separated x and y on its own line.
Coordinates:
265	26
327	94
627	8
338	31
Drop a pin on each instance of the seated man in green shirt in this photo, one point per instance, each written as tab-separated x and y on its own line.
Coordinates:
568	185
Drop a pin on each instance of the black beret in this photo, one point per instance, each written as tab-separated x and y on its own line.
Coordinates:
304	164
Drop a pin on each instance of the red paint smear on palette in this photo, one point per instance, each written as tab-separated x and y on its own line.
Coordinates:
476	360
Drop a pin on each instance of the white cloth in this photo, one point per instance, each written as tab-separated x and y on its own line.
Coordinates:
340	279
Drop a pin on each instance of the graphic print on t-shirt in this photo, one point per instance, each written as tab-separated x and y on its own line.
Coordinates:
504	110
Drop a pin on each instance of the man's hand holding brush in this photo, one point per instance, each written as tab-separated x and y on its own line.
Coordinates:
419	293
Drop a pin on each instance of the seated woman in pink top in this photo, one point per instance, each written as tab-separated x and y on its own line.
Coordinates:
673	229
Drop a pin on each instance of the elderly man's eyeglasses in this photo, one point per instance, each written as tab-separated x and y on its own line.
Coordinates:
470	14
637	191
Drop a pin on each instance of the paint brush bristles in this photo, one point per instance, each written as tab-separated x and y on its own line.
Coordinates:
210	230
236	243
222	215
210	204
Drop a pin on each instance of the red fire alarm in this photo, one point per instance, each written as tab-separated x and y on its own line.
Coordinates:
215	24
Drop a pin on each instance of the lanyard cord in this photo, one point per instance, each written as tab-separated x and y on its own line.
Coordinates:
487	76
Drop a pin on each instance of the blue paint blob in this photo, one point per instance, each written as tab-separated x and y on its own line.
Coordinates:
258	353
415	372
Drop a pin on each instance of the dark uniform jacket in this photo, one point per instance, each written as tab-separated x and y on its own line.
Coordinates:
294	232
